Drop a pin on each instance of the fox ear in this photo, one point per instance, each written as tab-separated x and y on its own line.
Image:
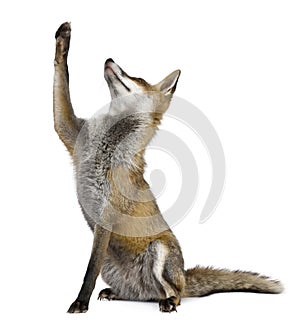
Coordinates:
168	84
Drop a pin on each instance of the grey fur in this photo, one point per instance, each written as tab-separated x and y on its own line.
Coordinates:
106	143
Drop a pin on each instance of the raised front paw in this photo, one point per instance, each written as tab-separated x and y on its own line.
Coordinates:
107	294
78	307
168	304
62	35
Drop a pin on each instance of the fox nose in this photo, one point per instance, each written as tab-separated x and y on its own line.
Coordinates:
109	60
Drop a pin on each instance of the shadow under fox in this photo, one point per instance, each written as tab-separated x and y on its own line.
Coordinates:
135	251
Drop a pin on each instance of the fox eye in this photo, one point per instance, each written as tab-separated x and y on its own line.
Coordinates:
141	81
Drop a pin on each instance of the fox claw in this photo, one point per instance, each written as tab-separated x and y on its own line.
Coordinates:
167	305
64	30
107	294
78	307
62	35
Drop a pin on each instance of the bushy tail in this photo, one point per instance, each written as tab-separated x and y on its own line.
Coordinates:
205	281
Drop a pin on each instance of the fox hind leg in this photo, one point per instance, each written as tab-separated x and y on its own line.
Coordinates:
172	281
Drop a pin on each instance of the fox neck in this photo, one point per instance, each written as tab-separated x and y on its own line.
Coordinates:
132	103
136	142
146	136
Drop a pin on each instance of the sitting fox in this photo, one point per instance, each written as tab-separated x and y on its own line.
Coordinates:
135	251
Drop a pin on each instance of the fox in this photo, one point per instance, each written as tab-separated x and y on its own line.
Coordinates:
134	249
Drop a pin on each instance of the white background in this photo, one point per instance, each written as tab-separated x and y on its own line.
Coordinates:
240	66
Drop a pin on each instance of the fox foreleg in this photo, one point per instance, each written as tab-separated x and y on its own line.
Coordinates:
100	244
66	124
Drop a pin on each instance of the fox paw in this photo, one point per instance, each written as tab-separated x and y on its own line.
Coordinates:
78	307
62	35
168	305
107	294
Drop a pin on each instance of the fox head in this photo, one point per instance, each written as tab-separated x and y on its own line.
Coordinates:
135	94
